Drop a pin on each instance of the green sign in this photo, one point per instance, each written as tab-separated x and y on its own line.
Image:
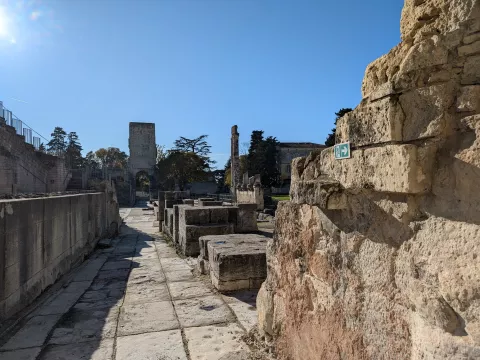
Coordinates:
342	151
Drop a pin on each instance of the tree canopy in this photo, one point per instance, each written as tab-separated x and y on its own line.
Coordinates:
57	145
180	168
111	157
331	137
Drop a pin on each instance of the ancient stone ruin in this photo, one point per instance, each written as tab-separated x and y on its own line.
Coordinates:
377	256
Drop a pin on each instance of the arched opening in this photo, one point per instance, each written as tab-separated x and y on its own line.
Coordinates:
142	185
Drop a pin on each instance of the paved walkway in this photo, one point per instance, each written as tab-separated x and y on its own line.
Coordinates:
135	300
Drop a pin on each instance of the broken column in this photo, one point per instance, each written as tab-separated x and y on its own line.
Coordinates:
235	162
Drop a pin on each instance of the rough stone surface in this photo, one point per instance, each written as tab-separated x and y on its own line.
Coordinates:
215	341
394	273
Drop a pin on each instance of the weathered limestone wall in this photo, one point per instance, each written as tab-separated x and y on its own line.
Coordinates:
24	170
377	256
43	238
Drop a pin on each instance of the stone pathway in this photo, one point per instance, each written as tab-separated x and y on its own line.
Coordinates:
134	300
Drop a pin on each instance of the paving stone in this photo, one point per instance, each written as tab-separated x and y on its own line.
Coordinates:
117	264
214	342
23	354
33	333
108	284
145	256
89	270
61	303
147	317
203	311
245	313
165	345
188	289
107	297
142	275
179	275
94	350
119	274
146	292
77	286
79	326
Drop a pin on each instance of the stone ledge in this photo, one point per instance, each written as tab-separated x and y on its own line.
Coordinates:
324	192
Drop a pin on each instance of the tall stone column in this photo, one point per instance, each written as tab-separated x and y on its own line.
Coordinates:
235	159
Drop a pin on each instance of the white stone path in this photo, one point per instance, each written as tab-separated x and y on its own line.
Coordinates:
133	301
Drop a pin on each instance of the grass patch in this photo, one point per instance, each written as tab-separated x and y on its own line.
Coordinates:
281	197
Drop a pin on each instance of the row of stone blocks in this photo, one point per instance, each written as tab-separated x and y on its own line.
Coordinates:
185	224
234	261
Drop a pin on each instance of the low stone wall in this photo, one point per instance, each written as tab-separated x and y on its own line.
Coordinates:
41	239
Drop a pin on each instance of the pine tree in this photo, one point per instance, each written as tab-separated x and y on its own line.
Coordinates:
74	151
57	145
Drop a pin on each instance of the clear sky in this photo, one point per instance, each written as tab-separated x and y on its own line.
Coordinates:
190	66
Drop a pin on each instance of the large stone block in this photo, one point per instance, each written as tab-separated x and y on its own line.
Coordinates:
391	168
426	111
189	235
237	261
323	192
194	215
372	123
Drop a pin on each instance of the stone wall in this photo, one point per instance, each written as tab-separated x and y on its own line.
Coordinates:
43	238
376	256
24	170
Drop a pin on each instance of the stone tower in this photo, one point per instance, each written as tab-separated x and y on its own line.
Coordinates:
142	146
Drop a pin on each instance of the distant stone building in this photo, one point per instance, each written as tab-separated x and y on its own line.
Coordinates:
289	151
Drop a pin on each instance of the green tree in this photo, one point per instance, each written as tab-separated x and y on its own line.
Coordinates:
161	152
270	174
256	155
42	148
181	168
331	137
198	146
57	145
112	158
74	151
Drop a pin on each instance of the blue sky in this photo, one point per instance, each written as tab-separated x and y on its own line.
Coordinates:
190	66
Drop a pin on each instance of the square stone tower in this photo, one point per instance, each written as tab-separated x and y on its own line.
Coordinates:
142	146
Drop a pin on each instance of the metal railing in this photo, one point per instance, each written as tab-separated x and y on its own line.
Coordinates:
20	127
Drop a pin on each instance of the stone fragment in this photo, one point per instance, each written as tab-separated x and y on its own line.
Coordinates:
469	99
323	192
237	261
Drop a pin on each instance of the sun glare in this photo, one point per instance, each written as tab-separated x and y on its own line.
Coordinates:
3	22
